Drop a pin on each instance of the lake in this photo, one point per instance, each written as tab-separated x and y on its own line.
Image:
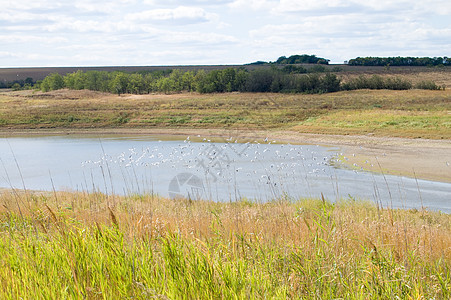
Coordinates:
197	168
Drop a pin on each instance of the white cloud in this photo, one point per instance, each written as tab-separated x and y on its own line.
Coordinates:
340	37
12	16
11	39
306	5
189	38
253	4
369	6
26	5
188	2
8	54
181	14
96	7
111	32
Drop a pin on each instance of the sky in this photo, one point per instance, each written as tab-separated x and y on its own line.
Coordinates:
52	33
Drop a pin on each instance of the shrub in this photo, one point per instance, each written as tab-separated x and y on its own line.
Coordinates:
376	82
427	85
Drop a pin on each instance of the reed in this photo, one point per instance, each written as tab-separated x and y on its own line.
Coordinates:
81	245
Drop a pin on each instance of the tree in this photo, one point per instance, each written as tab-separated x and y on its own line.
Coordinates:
97	81
188	81
165	85
260	80
29	81
240	79
135	84
119	83
330	83
399	61
75	81
52	82
302	59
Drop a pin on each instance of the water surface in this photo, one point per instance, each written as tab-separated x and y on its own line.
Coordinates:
220	171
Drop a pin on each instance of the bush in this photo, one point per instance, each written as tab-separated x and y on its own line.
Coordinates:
293	69
376	82
317	69
330	83
16	87
427	85
397	84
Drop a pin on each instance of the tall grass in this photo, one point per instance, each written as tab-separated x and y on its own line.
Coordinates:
79	245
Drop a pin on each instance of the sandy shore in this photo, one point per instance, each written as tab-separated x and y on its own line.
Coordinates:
420	158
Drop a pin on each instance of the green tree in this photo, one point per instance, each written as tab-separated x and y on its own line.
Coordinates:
75	81
199	81
260	80
97	81
330	83
188	81
165	85
176	81
135	84
240	79
119	83
52	82
29	81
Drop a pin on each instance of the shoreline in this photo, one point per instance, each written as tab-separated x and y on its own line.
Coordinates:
416	158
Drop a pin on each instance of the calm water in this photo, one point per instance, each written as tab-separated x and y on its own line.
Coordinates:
221	171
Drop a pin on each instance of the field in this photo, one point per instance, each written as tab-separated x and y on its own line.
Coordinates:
77	245
412	113
95	246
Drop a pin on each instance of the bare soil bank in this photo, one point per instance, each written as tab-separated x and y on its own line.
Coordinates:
420	158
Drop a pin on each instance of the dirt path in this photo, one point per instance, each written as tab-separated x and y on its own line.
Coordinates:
420	158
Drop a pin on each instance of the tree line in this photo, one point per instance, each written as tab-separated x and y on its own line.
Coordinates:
400	61
275	80
302	59
18	84
296	59
175	81
377	82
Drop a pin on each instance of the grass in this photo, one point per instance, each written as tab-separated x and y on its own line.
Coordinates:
402	123
78	245
412	113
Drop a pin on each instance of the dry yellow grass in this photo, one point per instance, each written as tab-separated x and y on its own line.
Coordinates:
423	113
143	246
353	224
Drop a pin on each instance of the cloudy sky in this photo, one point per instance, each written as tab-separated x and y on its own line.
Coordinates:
178	32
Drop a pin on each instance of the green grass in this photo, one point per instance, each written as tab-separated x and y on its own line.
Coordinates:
72	245
383	122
